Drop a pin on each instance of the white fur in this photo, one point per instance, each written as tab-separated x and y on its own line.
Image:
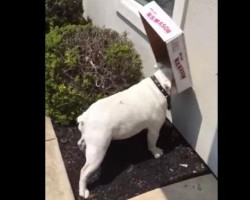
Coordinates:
121	116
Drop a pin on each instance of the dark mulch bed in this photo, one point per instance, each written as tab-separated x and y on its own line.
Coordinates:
128	168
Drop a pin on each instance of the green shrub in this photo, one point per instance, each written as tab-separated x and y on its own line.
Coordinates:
63	12
84	64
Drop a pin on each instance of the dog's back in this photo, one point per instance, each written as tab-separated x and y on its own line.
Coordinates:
125	113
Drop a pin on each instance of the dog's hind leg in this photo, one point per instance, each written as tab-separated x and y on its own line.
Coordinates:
152	137
94	157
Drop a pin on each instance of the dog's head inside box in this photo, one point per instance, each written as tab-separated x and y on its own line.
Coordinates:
167	42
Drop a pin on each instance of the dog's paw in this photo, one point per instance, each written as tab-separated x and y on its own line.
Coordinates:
157	152
84	193
81	193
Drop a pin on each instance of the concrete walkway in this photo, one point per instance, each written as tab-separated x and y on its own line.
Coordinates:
57	182
199	188
58	186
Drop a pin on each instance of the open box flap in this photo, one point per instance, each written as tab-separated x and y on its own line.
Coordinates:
160	21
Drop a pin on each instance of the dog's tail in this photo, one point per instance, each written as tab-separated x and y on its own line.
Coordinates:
80	120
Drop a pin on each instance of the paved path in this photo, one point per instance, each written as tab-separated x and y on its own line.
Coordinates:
57	182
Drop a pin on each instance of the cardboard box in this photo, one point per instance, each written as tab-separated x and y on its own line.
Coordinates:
167	42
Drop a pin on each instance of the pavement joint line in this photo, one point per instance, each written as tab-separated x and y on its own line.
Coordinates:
50	139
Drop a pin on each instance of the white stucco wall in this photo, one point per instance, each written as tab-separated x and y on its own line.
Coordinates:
194	112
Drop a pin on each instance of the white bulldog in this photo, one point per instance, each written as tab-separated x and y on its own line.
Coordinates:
120	116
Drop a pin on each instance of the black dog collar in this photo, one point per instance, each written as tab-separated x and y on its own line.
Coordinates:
164	92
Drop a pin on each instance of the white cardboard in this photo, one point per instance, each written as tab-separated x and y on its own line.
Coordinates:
173	38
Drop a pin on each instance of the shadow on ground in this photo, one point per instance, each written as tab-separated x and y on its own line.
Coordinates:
128	168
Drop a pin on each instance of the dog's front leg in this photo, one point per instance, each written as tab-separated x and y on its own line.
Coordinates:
152	137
